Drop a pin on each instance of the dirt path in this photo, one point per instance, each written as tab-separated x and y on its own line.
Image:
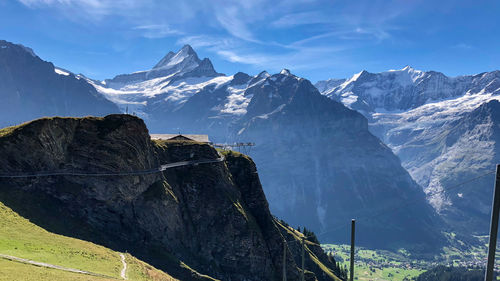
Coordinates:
124	268
47	265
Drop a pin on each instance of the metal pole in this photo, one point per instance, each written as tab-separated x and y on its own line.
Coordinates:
494	228
284	260
353	229
303	257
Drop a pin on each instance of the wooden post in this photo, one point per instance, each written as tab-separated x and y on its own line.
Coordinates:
303	257
494	228
284	260
353	229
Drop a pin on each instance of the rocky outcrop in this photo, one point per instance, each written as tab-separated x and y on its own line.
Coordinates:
196	222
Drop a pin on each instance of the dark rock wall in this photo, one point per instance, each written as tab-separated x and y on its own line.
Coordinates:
210	219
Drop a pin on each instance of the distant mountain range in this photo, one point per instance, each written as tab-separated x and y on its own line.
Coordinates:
319	164
32	88
444	129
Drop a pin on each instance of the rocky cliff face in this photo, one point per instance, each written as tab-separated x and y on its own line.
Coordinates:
196	222
462	148
323	167
32	88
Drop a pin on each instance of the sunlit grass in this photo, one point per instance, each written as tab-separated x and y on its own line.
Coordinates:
21	238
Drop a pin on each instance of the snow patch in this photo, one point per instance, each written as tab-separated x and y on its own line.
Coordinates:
236	102
61	72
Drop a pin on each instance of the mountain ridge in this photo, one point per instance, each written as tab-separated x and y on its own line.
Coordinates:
32	88
431	129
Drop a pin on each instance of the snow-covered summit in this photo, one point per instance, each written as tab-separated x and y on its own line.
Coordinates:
285	71
186	56
398	90
173	66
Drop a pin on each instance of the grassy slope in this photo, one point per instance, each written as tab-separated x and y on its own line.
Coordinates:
21	238
10	270
298	236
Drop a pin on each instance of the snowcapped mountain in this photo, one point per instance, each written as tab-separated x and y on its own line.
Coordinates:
32	88
328	84
405	89
175	78
185	63
442	128
319	164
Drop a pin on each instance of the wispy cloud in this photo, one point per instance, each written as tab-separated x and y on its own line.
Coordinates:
206	41
157	30
133	11
74	9
240	31
229	19
303	18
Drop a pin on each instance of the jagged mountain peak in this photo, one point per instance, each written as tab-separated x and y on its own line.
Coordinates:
173	66
408	69
263	74
285	71
357	76
185	55
240	78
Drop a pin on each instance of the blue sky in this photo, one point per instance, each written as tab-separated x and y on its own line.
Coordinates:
314	39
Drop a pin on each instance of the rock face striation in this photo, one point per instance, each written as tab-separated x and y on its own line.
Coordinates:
196	222
32	88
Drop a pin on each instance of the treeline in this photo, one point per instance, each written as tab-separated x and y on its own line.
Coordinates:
444	273
309	234
339	270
